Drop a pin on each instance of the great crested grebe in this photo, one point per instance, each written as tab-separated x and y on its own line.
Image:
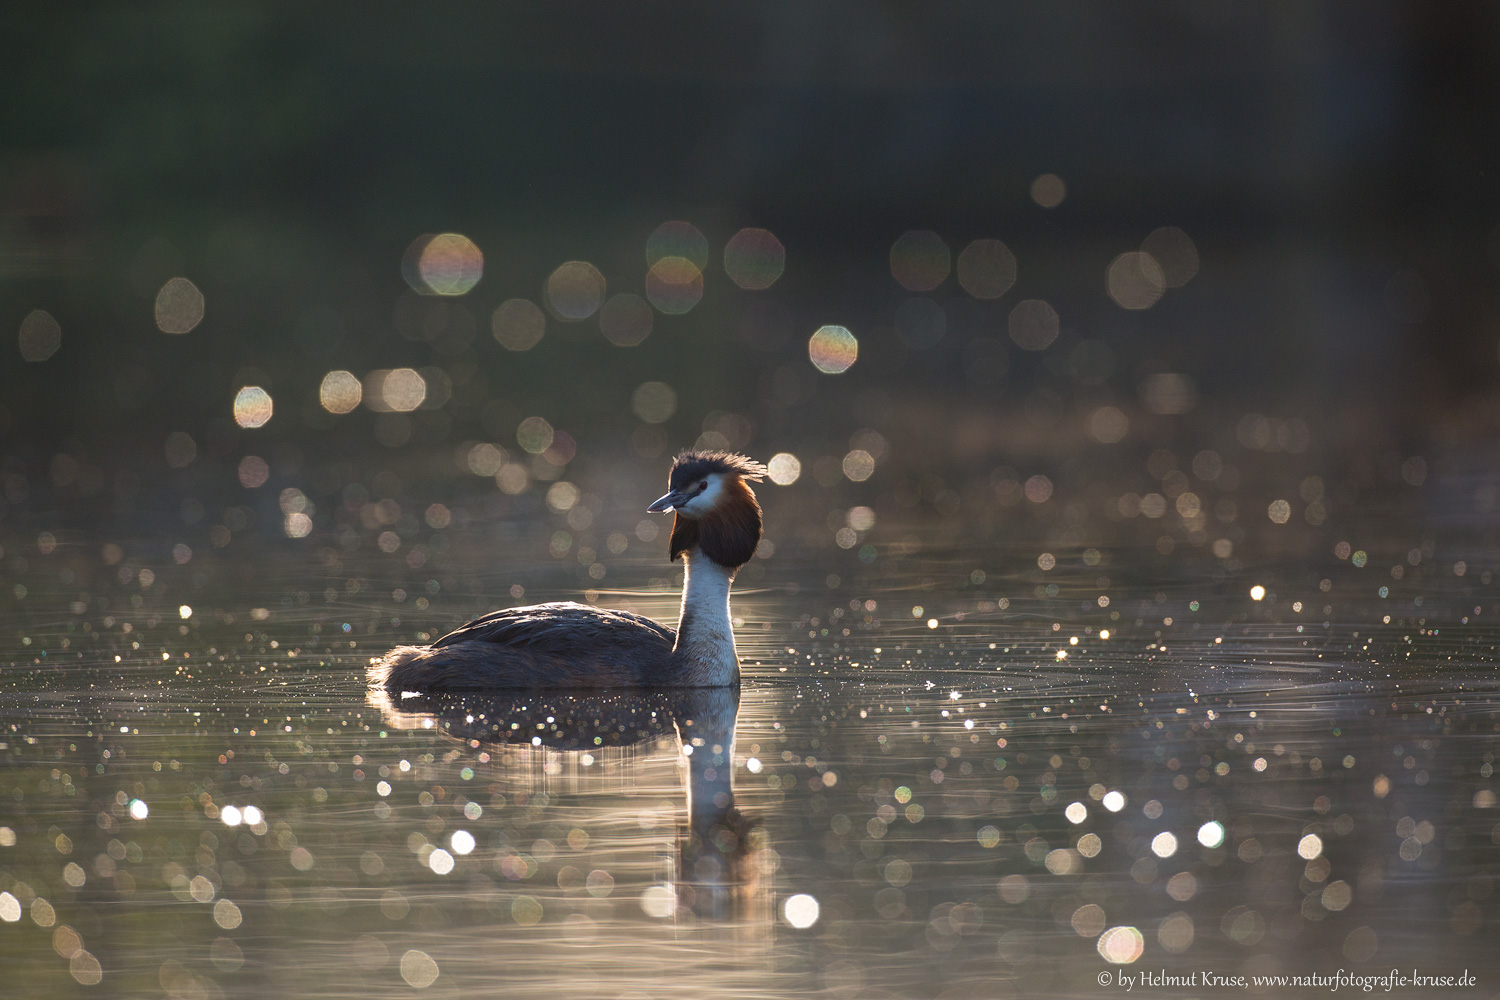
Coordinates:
716	527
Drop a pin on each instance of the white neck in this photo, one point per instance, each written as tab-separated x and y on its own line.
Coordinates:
705	638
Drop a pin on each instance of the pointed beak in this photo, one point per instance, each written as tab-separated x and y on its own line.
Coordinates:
670	501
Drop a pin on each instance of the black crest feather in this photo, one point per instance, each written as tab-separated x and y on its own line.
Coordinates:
690	465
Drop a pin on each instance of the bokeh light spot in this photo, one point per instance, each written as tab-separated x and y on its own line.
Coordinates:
562	497
674	285
41	336
442	264
181	449
85	968
403	390
1174	251
575	291
858	465
525	910
1048	190
253	407
920	260
599	883
65	940
625	320
1182	887
986	269
517	324
535	435
659	901
513	478
1109	424
253	472
1175	933
784	468
179	306
484	459
801	911
833	349
654	402
1088	920
1361	944
1337	896
1033	325
1121	945
340	392
226	914
1135	280
418	969
677	239
754	259
298	511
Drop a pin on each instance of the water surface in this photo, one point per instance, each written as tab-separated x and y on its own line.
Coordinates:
923	788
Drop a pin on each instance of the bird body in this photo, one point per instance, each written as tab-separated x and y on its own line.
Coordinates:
716	528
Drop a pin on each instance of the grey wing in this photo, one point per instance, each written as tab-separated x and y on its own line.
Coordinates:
562	629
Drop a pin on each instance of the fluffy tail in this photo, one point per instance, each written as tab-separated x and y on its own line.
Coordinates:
400	664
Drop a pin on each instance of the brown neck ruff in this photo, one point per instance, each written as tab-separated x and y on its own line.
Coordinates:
728	534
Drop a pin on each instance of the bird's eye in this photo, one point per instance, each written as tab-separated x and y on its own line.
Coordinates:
703	486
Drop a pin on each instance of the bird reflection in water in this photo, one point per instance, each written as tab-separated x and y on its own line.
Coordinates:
718	871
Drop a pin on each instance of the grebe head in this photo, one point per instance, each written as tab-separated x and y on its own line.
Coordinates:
715	508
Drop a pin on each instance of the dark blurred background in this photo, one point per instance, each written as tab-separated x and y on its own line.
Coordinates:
1330	164
1165	311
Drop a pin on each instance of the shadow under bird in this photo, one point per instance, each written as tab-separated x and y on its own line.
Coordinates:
716	528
